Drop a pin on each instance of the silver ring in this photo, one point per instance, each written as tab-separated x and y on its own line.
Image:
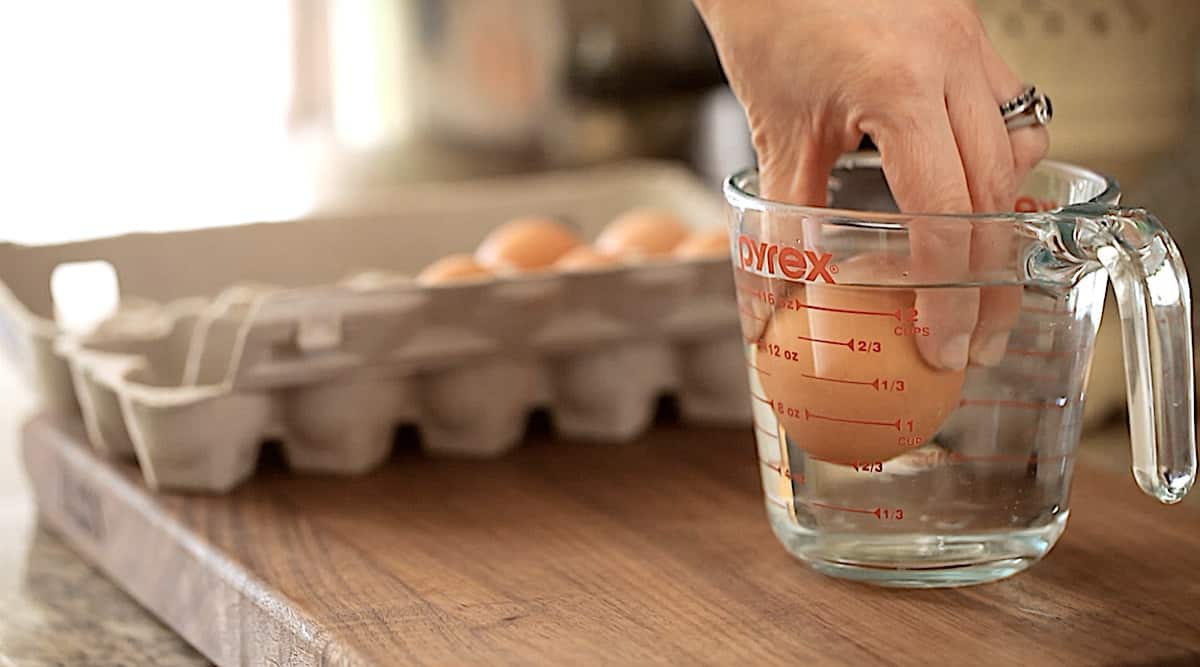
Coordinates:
1028	109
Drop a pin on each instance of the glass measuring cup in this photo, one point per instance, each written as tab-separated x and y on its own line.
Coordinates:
879	467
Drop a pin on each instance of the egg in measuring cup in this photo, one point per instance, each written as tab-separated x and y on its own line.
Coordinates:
842	373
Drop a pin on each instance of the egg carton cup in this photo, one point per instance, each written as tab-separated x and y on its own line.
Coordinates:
312	333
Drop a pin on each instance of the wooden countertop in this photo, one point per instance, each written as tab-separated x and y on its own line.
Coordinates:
654	552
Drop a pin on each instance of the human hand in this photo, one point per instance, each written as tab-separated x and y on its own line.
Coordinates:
924	82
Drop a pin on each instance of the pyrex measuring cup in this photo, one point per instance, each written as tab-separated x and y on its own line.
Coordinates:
877	465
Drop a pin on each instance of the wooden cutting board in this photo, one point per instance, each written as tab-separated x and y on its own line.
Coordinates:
651	553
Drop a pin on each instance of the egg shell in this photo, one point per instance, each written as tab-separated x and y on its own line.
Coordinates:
704	243
756	298
851	388
526	244
584	258
643	232
451	269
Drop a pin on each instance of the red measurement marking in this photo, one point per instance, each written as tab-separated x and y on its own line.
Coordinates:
871	383
778	503
1035	353
1037	378
1001	458
1042	311
1035	329
808	414
867	466
843	343
764	400
756	368
766	432
799	479
954	458
861	466
839	508
1030	405
753	315
828	309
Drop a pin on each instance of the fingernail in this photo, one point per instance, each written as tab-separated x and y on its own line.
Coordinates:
991	349
954	352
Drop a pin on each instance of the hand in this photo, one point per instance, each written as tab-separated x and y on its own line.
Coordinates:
923	81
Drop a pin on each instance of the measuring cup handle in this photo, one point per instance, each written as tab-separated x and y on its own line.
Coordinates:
1154	300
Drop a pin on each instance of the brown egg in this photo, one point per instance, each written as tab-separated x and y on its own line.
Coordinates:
584	258
704	244
852	387
755	294
526	244
452	269
642	232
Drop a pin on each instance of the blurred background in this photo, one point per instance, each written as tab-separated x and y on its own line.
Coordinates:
140	114
144	115
131	115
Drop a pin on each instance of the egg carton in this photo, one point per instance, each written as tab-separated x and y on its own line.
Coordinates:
228	337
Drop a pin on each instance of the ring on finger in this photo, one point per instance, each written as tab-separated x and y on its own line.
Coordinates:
1028	109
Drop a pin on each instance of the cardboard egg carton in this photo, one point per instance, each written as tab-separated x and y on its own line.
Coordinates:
312	332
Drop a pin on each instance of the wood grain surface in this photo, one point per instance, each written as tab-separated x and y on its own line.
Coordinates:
656	552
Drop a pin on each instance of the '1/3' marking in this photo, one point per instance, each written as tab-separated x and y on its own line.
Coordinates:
878	384
881	513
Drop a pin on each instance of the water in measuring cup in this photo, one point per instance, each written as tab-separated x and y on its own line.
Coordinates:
877	467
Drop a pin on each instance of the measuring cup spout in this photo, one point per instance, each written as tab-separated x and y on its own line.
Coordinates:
1154	300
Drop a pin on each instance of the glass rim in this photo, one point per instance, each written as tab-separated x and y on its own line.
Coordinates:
738	196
